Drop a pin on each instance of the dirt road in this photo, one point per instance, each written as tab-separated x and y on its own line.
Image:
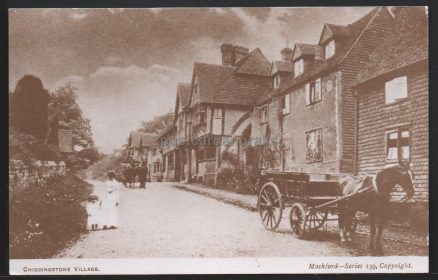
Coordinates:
162	221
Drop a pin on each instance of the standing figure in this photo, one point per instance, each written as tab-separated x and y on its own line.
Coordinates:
93	212
110	203
143	174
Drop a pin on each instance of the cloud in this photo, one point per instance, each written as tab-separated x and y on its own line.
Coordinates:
129	61
117	99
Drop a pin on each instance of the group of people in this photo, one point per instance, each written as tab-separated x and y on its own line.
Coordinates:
136	171
103	213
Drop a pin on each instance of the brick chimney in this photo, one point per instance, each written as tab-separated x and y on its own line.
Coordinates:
231	55
286	54
227	54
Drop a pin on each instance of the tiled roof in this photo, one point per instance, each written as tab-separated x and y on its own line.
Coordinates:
318	67
243	90
306	49
139	139
282	66
400	48
211	77
255	63
242	84
183	91
338	30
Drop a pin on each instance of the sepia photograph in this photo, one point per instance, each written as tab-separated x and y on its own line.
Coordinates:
236	140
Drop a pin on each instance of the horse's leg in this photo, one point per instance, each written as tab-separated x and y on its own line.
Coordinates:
380	225
341	222
372	218
351	215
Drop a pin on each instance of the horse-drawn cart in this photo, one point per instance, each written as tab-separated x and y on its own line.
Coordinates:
312	203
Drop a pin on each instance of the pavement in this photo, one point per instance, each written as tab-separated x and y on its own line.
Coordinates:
164	221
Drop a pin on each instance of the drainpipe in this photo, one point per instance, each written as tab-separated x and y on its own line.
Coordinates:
356	136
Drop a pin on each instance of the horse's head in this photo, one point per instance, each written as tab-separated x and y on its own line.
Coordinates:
396	175
405	179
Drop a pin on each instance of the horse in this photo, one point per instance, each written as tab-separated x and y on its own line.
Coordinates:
375	200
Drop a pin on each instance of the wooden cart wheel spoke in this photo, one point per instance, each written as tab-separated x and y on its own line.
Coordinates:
269	200
298	220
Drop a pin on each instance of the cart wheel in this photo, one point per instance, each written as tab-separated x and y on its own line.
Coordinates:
298	220
316	218
270	206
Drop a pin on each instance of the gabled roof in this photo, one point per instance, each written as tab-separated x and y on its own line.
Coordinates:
255	63
282	66
332	31
210	78
400	48
183	92
239	85
243	90
356	29
301	49
139	139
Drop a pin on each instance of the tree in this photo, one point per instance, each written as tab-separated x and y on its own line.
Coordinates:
65	113
29	107
157	124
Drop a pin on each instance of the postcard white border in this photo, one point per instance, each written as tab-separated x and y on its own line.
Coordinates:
397	264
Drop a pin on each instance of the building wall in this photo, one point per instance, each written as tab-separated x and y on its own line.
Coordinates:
376	118
354	62
303	118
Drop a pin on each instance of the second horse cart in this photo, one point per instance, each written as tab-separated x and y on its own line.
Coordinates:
312	203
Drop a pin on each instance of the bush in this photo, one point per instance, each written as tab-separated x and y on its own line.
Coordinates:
45	218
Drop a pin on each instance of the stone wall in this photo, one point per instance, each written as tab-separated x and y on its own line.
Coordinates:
22	175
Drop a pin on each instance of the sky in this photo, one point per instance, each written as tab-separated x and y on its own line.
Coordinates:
126	63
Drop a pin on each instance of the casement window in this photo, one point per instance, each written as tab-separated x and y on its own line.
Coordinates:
314	145
299	67
217	120
206	153
285	104
202	115
329	49
210	152
263	114
277	81
313	92
396	89
398	144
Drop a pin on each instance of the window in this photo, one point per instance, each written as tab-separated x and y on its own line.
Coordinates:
313	92
263	118
217	120
329	49
314	145
154	152
285	104
210	153
277	81
206	153
170	162
397	143
201	116
396	89
299	67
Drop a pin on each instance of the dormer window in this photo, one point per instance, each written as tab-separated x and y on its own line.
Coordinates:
329	49
299	67
276	81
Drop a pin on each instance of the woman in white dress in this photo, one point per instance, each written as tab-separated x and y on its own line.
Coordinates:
110	202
